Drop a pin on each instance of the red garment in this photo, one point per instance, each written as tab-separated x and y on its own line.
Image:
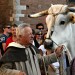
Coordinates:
9	40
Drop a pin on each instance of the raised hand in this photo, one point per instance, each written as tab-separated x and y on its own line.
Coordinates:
59	50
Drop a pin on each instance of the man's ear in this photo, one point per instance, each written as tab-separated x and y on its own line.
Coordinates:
3	28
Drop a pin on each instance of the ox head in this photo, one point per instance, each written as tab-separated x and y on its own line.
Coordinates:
52	12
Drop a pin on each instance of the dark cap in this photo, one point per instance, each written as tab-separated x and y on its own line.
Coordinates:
38	32
48	44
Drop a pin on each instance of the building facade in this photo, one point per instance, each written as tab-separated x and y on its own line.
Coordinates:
16	11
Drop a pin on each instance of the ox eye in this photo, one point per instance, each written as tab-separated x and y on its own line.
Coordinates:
62	23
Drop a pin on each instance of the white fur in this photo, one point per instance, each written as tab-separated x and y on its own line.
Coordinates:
14	44
58	8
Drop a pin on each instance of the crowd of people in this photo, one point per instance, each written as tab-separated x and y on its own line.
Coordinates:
25	52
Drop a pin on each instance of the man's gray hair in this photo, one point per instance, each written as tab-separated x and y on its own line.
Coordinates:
20	28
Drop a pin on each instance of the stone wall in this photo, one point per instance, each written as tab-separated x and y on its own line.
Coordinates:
6	7
17	10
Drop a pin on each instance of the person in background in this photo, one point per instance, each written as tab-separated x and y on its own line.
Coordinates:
40	26
37	38
41	47
35	43
1	32
21	58
12	38
5	35
51	69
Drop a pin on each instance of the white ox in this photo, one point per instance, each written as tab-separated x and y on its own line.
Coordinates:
61	17
59	14
64	34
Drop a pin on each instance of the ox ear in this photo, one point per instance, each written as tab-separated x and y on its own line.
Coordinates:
71	9
43	13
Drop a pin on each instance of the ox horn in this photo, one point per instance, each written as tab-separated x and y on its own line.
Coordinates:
71	9
45	12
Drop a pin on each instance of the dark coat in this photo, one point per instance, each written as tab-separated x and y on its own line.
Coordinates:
72	67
